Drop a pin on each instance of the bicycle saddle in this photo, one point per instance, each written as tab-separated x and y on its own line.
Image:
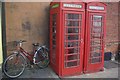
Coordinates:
35	44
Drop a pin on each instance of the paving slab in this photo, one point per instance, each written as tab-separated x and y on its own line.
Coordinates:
39	73
110	64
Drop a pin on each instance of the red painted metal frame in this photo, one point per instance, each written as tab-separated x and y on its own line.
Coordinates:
89	67
58	67
28	55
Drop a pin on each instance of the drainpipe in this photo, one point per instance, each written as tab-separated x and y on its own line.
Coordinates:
3	31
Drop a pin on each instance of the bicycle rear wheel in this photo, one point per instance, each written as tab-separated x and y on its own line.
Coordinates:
14	65
42	58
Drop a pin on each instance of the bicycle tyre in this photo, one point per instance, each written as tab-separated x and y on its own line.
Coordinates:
14	66
42	63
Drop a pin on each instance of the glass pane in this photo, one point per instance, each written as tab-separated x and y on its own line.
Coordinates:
72	37
75	23
54	36
95	48
54	23
72	50
70	64
97	30
96	36
72	57
72	23
54	42
73	30
72	16
54	29
97	18
71	44
95	42
97	24
95	54
95	60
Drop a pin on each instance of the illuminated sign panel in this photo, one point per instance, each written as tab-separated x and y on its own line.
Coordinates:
96	7
55	6
72	5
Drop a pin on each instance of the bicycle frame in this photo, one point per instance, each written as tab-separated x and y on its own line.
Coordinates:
27	55
30	57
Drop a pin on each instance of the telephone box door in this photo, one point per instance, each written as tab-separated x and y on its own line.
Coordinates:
73	41
96	33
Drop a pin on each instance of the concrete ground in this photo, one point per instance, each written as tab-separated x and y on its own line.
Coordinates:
111	71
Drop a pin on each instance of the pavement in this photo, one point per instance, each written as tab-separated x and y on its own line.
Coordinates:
111	71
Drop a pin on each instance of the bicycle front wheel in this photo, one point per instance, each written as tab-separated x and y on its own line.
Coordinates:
14	65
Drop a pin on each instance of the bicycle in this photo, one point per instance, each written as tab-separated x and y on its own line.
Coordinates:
15	64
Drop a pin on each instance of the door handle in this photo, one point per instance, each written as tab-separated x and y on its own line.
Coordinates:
81	40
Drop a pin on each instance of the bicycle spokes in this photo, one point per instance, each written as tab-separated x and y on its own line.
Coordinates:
14	65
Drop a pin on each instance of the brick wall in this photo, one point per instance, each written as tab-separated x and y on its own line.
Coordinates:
112	26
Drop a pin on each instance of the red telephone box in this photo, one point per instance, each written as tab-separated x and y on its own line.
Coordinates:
95	35
67	21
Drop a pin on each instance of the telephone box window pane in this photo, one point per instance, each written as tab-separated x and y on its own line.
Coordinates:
96	36
95	54
71	64
97	18
54	36
54	42
95	60
75	23
97	30
72	23
97	24
72	16
72	51
54	29
96	42
54	23
96	48
72	57
73	30
72	37
71	44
